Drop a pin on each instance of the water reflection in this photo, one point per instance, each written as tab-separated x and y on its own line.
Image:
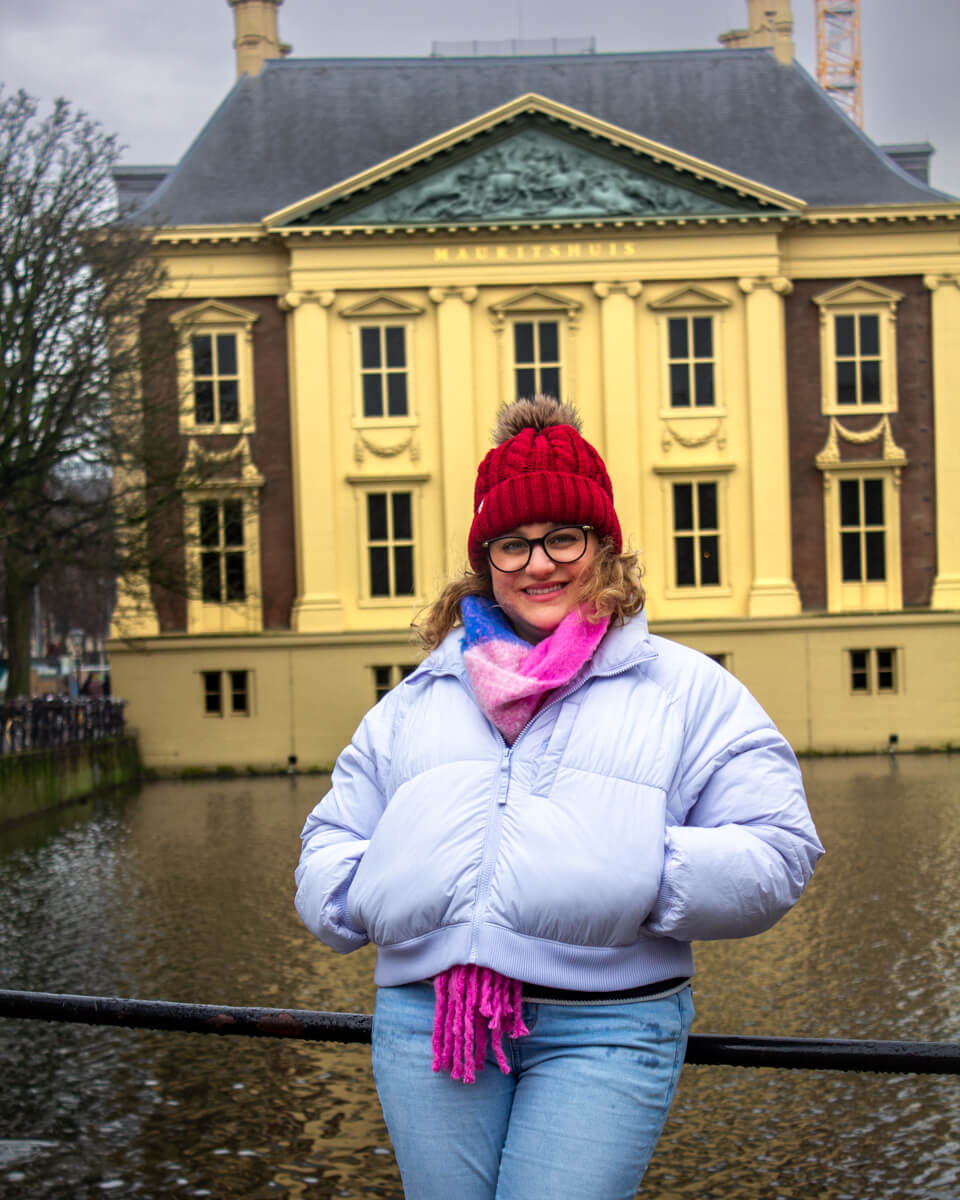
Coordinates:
184	892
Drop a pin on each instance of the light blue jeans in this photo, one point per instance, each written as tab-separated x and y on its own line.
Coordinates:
578	1118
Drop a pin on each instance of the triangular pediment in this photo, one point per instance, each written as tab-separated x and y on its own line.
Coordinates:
213	312
534	162
382	305
536	300
858	292
688	298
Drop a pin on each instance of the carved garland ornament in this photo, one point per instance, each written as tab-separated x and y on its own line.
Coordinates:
199	457
692	441
830	454
363	445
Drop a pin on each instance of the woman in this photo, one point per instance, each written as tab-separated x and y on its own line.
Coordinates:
532	827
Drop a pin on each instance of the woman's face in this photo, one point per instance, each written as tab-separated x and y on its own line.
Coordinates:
537	598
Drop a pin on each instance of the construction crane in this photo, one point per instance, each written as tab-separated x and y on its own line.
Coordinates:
838	54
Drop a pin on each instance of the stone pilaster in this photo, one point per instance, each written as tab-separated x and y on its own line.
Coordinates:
621	425
455	380
318	606
945	335
773	592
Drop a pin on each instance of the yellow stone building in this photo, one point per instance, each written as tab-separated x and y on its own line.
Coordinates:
756	311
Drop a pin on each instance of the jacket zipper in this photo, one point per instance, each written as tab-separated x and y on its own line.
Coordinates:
498	800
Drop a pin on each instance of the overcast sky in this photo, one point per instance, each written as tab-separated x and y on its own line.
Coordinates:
153	71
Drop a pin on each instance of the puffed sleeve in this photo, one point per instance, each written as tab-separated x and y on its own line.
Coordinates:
339	829
744	846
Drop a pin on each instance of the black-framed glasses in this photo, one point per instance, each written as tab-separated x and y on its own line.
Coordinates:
512	551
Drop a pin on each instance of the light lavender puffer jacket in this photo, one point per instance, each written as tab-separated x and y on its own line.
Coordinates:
650	804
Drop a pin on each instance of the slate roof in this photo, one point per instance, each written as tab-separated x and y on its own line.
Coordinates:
302	125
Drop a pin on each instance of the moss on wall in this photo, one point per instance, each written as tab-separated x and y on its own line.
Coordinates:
38	780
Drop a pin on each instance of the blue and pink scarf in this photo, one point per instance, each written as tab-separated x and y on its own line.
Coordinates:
511	680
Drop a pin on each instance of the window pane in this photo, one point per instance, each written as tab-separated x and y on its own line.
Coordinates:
850	555
396	347
233	522
683	506
876	556
886	679
372	396
703	383
846	383
381	681
236	582
526	383
210	577
379	571
679	385
402	518
370	346
843	328
683	551
211	692
677	327
870	382
849	502
707	503
709	559
203	410
403	570
550	381
523	342
396	394
869	335
873	501
202	354
549	341
858	670
377	516
703	337
229	401
209	523
226	354
238	691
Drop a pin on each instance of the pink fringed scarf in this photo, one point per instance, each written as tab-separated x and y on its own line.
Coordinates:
510	679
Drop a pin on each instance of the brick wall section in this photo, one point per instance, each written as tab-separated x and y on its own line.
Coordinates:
911	425
269	449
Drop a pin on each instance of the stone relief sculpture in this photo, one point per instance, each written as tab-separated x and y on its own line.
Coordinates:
531	176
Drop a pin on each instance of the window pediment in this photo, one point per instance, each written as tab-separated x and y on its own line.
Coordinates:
858	294
382	306
533	301
687	298
212	312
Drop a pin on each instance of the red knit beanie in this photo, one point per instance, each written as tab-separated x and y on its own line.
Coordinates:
541	470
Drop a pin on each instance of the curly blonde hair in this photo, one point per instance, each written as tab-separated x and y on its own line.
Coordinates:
611	587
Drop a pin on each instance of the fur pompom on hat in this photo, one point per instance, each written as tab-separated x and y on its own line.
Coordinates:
541	469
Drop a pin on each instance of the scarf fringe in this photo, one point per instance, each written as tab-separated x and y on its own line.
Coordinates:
473	1005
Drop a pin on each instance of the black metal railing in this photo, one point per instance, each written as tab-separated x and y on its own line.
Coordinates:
42	722
820	1054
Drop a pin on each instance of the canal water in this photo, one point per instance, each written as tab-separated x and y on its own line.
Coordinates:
183	891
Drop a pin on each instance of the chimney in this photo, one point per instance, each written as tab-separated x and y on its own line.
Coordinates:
255	24
770	25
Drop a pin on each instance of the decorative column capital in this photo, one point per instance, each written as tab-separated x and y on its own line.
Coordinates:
776	283
933	282
292	300
633	288
466	294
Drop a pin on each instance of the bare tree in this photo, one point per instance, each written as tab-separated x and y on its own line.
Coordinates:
82	480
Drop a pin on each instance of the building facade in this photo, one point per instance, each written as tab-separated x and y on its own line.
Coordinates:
756	312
